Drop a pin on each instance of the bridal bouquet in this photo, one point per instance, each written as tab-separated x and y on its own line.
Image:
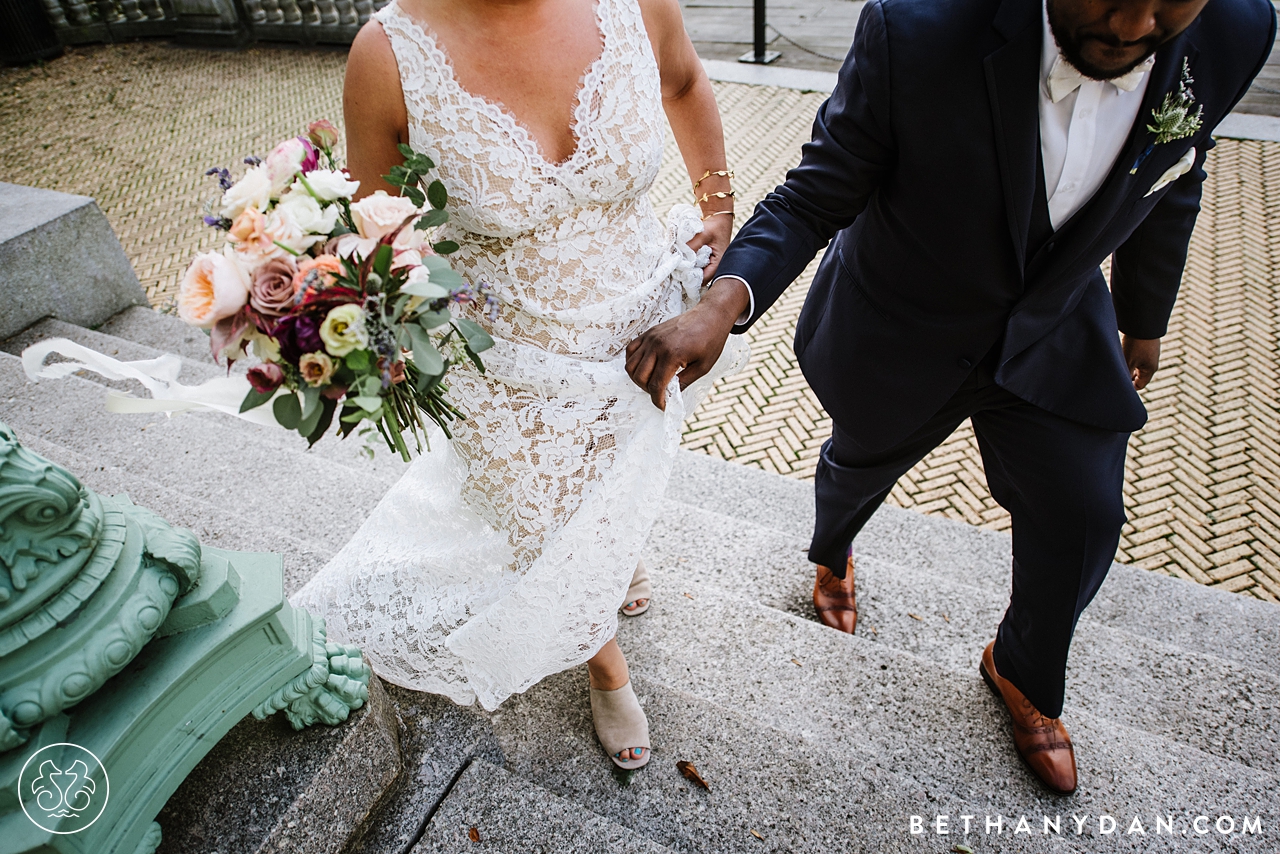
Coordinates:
344	306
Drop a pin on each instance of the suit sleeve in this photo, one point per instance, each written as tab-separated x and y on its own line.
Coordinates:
851	150
1146	270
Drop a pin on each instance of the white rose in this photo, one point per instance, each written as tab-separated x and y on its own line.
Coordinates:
377	215
328	185
308	214
251	191
282	228
215	287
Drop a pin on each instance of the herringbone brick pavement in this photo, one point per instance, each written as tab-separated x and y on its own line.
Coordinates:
136	125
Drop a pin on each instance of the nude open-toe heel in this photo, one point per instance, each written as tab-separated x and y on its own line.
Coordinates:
640	589
621	724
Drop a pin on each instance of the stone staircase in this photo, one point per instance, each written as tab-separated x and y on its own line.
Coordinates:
810	740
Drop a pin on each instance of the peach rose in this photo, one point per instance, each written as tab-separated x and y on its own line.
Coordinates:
249	232
324	267
215	287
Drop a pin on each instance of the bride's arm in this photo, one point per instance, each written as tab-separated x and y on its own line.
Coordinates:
691	109
373	110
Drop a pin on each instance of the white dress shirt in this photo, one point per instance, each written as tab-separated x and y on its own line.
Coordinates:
1083	128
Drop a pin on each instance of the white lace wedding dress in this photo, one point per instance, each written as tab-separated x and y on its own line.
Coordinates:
503	556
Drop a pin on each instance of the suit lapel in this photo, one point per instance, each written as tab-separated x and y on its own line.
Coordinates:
1090	222
1074	252
1013	76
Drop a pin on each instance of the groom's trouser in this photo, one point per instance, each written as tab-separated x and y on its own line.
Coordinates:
1061	483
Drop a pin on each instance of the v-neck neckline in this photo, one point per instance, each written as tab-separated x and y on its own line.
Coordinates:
516	128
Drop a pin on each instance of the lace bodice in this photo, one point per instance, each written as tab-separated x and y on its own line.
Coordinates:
561	242
503	556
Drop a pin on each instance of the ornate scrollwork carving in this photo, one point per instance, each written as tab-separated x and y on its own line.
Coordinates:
46	518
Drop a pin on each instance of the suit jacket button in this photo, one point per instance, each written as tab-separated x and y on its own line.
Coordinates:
965	363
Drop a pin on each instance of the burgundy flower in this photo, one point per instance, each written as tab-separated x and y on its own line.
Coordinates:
298	335
265	378
272	290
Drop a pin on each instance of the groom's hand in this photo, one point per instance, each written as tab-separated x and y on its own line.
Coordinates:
1143	357
689	344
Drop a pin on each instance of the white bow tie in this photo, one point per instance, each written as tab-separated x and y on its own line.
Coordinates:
1065	79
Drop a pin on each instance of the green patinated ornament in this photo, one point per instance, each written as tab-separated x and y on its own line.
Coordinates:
121	635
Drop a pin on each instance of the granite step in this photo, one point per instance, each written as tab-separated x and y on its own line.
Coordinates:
1146	604
154	335
260	471
1211	702
489	809
772	789
941	733
214	523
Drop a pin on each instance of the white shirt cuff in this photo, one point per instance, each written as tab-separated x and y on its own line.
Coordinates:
751	306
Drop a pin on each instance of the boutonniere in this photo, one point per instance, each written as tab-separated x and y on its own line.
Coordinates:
1174	119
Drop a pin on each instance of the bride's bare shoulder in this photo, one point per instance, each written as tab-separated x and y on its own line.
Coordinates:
371	50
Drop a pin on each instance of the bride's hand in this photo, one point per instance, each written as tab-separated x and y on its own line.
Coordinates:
715	233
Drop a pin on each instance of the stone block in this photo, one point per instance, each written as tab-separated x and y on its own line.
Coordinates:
59	258
265	788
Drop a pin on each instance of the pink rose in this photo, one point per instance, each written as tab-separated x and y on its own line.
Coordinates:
266	378
322	134
273	288
215	287
287	159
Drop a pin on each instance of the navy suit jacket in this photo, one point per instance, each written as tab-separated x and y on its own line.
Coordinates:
922	168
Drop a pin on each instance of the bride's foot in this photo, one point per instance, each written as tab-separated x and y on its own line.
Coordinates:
620	723
639	593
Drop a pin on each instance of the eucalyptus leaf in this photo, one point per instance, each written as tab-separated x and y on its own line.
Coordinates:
406	150
425	355
415	195
446	278
432	219
432	263
310	419
368	404
445	247
255	398
433	319
437	195
358	360
477	339
382	261
310	401
425	289
288	411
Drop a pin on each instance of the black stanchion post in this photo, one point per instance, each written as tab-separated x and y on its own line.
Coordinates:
760	54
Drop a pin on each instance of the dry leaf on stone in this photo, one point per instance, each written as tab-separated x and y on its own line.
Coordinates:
691	773
915	616
796	662
756	834
687	596
473	834
962	849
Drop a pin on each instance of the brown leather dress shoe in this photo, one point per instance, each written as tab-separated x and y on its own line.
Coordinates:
1042	742
834	599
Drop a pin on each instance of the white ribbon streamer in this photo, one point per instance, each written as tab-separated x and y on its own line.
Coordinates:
159	376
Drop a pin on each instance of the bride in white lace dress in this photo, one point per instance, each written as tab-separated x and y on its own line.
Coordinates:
503	556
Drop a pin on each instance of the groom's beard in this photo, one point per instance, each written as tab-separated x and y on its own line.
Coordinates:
1071	44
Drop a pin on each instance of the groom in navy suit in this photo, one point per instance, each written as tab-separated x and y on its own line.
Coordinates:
976	163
